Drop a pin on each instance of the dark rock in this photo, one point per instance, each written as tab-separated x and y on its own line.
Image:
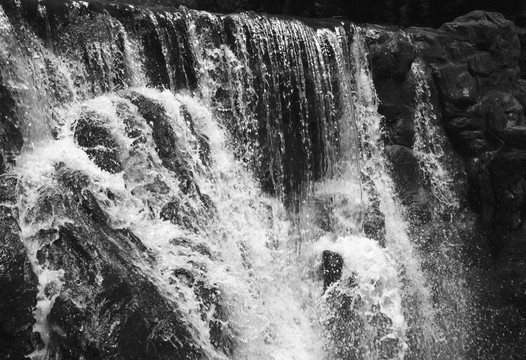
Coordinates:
499	110
481	63
11	138
457	125
392	55
506	170
93	135
487	31
332	264
166	141
514	137
521	33
374	224
471	142
18	284
121	311
520	92
506	80
403	132
406	172
457	85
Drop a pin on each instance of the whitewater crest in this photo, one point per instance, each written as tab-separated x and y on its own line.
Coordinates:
185	177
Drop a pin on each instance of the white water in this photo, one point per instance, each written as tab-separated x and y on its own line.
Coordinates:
379	187
429	142
264	257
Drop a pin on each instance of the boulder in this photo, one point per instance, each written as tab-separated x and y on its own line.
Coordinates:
481	63
500	110
456	84
487	31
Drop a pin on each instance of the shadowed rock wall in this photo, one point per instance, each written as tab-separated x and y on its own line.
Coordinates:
477	71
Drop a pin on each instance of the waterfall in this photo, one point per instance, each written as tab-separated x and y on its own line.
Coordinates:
185	174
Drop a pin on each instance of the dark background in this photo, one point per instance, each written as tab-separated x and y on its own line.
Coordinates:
396	12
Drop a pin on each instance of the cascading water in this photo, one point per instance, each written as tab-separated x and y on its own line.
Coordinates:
217	196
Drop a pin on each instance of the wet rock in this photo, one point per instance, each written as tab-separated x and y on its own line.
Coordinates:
514	137
505	79
166	141
521	33
506	169
121	308
406	172
11	139
93	135
18	284
403	132
374	224
500	110
472	142
457	125
481	63
332	264
457	84
181	214
520	92
392	55
488	31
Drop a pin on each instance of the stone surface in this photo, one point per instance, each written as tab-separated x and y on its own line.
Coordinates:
406	172
18	283
332	264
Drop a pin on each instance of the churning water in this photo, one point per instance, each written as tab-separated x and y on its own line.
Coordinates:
238	151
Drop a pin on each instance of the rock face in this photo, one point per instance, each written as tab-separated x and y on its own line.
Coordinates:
476	68
18	283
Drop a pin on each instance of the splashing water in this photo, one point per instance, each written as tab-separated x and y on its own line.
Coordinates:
429	142
223	191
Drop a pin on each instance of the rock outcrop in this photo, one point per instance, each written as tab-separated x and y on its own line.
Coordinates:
477	71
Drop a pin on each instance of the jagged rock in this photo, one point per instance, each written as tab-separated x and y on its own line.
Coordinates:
506	170
166	141
392	55
391	80
93	135
514	137
457	125
499	110
520	92
487	30
521	33
11	139
506	79
403	132
374	224
332	264
18	282
481	63
457	84
107	308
